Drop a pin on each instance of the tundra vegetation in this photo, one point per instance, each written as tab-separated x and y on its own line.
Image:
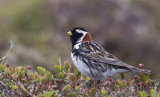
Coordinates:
22	81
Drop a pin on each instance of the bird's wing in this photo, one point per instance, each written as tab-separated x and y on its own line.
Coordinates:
93	51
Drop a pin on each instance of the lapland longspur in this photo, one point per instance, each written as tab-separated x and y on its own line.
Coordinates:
93	60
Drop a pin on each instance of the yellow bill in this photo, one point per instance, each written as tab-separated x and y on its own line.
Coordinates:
69	33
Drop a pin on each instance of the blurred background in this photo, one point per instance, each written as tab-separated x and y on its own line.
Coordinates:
129	29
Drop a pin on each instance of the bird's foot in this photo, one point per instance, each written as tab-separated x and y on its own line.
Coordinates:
89	83
98	82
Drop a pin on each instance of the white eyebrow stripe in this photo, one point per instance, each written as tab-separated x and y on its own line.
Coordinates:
81	31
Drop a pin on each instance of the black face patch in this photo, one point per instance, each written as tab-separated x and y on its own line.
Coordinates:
75	35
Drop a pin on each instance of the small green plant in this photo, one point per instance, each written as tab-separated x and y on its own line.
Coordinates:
142	94
104	92
41	70
48	94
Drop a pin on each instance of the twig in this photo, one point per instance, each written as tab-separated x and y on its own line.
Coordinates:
5	57
60	63
21	85
2	83
7	54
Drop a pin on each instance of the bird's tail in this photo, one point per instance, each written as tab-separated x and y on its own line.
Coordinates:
141	70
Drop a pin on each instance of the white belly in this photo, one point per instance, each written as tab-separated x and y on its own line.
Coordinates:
85	70
81	66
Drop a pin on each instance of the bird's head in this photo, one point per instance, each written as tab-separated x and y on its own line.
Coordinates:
79	35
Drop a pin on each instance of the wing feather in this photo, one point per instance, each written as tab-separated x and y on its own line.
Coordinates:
95	52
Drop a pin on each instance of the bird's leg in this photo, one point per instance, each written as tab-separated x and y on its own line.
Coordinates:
98	81
89	83
123	76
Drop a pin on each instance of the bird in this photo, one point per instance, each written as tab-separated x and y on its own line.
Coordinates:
92	60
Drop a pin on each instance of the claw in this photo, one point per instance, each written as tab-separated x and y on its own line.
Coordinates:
98	81
89	83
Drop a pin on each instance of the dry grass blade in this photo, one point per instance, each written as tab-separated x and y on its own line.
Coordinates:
7	54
